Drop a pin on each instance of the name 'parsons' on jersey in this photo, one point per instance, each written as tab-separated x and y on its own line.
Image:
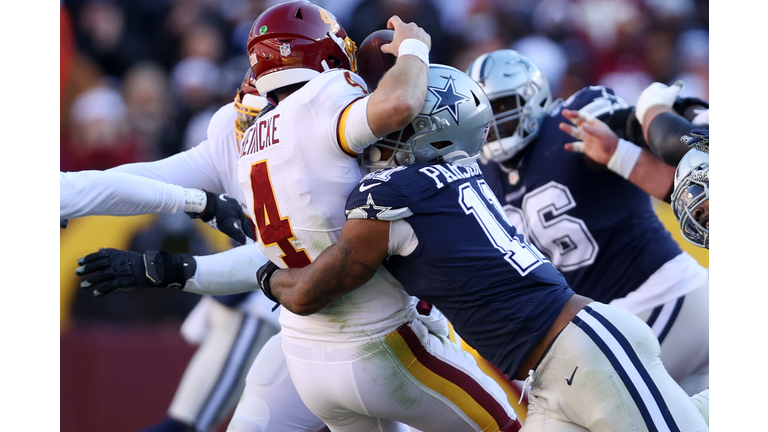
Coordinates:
474	258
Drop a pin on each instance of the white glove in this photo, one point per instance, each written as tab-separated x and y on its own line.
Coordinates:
657	94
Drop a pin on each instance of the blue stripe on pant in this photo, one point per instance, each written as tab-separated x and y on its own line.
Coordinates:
618	350
234	370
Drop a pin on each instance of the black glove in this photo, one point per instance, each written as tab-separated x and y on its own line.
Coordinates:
226	215
681	105
110	269
264	275
63	223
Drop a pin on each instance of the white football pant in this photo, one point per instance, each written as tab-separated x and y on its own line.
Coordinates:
604	373
409	376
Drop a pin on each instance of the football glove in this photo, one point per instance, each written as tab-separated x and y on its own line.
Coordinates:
264	275
697	139
657	94
226	215
111	269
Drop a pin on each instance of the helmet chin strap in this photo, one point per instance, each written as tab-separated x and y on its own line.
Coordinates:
460	157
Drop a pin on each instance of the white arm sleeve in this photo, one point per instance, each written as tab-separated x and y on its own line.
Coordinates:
85	193
191	169
354	123
229	272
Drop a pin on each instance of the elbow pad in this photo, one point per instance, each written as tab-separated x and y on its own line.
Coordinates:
624	123
664	135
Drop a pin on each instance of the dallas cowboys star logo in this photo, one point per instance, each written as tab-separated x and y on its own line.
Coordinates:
447	99
371	210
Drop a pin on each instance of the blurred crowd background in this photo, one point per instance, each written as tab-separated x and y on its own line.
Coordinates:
140	79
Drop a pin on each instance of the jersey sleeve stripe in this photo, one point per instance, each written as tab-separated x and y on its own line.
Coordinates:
449	381
341	136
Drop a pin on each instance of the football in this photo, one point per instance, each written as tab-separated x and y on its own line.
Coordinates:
371	62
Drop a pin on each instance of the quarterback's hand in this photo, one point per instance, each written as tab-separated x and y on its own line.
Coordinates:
657	94
434	320
226	215
111	269
598	141
264	274
404	31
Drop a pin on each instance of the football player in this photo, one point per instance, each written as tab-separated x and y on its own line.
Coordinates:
436	226
295	194
594	224
230	329
350	363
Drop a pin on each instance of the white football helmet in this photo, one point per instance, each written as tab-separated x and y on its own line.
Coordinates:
520	96
451	127
690	198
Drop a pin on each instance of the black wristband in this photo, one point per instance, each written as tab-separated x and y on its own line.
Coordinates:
209	212
264	275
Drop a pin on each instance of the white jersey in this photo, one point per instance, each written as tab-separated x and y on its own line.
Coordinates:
211	165
85	193
297	169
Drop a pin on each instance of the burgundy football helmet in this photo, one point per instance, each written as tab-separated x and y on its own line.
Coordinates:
295	41
248	104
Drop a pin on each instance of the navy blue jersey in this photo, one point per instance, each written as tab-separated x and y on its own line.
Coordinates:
599	229
499	292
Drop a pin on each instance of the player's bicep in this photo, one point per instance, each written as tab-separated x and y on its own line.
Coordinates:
363	243
349	263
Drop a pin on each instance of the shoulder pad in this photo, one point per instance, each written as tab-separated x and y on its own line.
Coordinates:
379	196
222	124
336	83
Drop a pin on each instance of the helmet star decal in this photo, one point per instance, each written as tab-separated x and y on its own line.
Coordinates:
447	99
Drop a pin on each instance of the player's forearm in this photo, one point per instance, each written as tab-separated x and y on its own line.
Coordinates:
653	176
399	96
229	272
85	193
663	128
190	169
310	289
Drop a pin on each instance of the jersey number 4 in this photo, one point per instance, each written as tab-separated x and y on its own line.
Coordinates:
273	229
477	199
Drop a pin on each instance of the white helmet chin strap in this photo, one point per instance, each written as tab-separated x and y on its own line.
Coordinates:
460	158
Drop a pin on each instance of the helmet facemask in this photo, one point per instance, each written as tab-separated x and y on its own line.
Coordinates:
520	96
246	113
690	204
512	128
